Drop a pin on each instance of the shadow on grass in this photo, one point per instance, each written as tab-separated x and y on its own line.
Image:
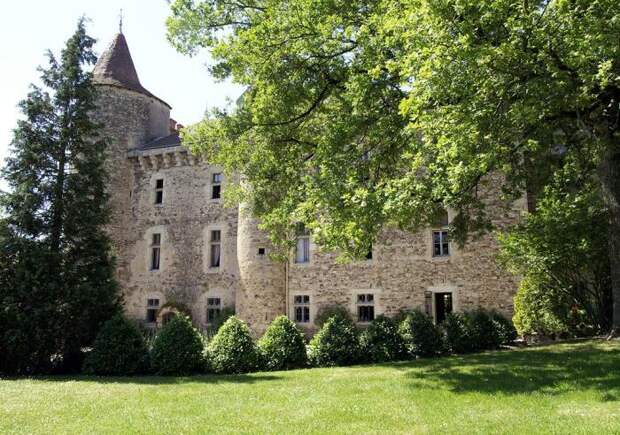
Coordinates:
159	380
553	370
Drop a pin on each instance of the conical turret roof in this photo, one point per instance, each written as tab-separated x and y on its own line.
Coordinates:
115	68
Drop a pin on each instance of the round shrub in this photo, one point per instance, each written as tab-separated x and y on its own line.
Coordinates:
483	330
119	349
381	341
177	348
336	343
457	334
283	346
421	336
232	349
326	313
505	329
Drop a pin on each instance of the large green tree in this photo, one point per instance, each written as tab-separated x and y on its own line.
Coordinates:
361	113
56	269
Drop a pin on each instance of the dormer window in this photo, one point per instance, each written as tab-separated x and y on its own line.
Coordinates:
159	191
216	186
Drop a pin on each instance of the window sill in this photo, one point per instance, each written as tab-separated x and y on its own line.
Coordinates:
214	269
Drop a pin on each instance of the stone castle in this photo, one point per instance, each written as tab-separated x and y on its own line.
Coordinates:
177	246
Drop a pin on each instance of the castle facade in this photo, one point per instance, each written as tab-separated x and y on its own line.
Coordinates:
176	245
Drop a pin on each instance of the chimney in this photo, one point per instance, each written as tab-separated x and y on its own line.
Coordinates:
172	126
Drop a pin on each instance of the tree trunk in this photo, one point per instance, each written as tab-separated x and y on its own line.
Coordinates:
610	179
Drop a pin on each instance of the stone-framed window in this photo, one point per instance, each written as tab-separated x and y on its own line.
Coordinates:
261	252
152	307
214	308
155	251
302	248
216	185
365	307
301	308
215	249
159	191
369	253
441	242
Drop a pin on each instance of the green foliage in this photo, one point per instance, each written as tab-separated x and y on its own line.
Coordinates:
55	259
119	349
283	346
381	341
482	330
504	327
221	318
420	334
232	350
562	253
177	349
327	312
335	344
457	333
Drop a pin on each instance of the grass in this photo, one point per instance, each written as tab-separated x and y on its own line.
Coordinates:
559	388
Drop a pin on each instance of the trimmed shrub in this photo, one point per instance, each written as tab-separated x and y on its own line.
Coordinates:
421	336
326	313
283	346
381	341
457	334
118	349
232	349
177	348
483	330
336	343
505	329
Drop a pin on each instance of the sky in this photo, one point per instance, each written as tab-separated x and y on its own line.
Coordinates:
30	27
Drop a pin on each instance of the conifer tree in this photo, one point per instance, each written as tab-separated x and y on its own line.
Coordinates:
56	268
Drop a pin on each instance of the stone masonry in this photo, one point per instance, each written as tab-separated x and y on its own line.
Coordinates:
145	156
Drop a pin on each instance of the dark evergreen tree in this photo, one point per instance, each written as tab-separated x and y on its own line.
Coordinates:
56	268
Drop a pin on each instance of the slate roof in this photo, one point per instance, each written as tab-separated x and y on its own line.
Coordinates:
115	67
172	140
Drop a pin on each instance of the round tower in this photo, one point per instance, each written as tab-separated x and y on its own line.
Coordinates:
262	282
130	116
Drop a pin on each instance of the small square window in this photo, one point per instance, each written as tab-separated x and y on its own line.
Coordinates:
214	308
261	251
365	307
159	184
217	178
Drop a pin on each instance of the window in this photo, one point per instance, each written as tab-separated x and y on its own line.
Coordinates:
214	307
216	241
216	186
261	251
365	307
302	250
159	191
152	306
441	245
301	305
369	254
155	251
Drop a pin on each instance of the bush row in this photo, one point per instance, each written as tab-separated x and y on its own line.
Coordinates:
180	349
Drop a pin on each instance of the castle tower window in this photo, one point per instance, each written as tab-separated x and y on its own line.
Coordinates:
155	251
159	191
365	307
214	308
216	242
152	306
216	186
369	254
441	244
302	251
301	306
261	251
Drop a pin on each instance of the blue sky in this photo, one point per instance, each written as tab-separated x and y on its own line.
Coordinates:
29	27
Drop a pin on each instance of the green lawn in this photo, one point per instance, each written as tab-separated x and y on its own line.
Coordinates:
552	389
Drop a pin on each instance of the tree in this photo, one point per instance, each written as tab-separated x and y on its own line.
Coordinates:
55	260
359	114
562	253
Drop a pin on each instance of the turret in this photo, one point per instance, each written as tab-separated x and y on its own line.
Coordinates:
130	116
261	296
